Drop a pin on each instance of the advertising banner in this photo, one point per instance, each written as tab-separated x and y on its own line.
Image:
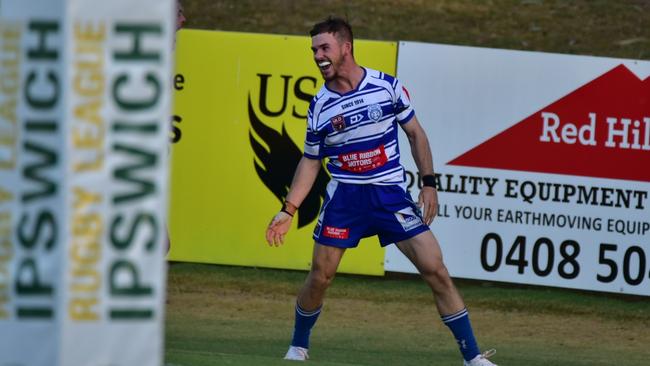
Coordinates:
85	90
238	131
542	165
32	170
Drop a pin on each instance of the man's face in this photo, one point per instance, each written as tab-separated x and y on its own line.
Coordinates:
328	54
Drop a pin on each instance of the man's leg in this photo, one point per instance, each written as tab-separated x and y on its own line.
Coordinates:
325	261
424	252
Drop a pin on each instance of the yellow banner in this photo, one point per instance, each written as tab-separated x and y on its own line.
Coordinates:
238	132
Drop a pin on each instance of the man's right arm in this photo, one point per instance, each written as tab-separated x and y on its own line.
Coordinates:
303	180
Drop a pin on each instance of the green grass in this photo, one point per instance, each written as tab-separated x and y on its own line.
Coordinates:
587	27
244	316
219	315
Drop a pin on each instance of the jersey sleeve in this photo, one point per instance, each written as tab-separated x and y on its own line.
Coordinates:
313	139
403	109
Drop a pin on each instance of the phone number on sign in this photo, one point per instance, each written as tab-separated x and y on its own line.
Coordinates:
543	257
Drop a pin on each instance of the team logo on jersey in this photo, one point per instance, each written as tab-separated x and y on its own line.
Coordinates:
374	112
338	122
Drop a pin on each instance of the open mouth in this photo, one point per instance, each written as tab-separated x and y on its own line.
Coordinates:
324	65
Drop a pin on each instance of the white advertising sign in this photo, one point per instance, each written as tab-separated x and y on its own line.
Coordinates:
541	165
85	90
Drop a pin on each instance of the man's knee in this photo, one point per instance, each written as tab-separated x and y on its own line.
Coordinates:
320	279
436	275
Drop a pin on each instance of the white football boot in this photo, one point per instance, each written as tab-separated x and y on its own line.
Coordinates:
297	354
482	359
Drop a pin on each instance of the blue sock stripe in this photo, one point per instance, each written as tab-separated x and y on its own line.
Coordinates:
450	318
303	312
461	328
305	320
454	314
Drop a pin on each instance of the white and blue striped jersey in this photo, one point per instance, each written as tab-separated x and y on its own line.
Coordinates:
357	131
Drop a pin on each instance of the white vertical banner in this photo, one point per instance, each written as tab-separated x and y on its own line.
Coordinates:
32	38
85	101
541	163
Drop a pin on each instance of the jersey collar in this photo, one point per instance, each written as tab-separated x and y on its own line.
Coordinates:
359	86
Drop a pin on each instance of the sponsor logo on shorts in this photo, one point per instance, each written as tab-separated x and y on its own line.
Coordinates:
338	122
336	232
408	219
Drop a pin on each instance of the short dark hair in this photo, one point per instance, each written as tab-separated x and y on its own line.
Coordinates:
337	26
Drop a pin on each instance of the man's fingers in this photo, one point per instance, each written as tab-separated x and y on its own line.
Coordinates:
271	231
428	212
277	229
429	198
269	238
424	208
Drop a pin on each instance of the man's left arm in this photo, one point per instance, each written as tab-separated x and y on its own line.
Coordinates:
428	199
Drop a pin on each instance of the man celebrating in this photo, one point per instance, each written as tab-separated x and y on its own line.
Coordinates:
353	122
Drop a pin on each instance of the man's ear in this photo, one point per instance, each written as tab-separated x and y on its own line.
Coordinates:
348	47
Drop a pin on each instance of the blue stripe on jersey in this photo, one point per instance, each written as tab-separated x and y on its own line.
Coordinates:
336	102
408	118
359	146
344	176
387	110
312	144
360	128
362	144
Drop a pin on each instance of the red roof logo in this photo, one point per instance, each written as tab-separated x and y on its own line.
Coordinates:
601	129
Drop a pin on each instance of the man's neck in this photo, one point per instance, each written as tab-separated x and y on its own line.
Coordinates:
348	79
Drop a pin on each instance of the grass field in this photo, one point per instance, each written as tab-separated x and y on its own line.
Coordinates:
588	27
218	315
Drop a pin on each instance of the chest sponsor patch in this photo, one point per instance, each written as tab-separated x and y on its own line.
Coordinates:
363	161
338	122
336	232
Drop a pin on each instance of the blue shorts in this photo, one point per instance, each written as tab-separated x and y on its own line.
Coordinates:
354	211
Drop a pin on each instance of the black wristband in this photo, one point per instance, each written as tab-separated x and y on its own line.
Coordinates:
429	180
287	212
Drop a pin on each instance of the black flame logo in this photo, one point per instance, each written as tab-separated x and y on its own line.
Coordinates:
278	164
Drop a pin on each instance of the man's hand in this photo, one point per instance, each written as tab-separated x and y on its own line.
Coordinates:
278	227
428	203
